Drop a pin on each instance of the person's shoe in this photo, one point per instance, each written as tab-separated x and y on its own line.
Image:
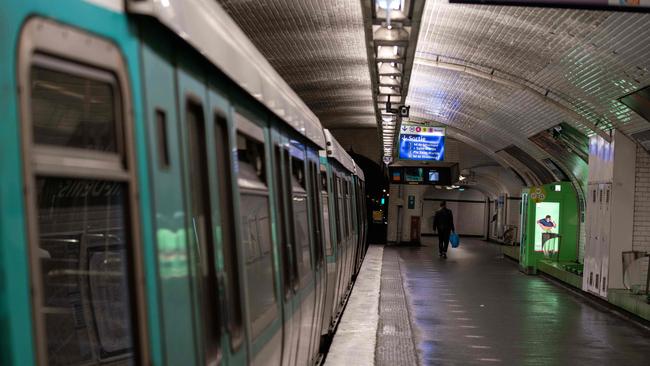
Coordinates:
440	255
444	255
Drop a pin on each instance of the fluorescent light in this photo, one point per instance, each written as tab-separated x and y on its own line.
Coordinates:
390	4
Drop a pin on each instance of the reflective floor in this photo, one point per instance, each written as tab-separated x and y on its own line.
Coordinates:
477	308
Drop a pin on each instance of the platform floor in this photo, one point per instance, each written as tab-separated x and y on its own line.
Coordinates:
474	308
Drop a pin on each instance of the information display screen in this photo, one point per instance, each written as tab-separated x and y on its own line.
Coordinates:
414	174
438	176
421	143
434	176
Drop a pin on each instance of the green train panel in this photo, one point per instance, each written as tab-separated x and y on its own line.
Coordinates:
157	207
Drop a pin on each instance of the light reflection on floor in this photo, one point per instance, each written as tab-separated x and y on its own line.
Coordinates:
506	317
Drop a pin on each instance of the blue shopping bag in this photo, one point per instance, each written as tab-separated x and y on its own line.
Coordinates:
454	240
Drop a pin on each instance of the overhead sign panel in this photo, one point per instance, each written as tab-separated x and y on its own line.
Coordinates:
418	142
626	5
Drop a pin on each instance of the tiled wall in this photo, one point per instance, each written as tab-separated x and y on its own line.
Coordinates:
641	238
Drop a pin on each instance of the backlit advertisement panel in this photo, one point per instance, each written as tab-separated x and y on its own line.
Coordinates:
421	143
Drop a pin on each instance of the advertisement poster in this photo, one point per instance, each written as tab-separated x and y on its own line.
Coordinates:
421	143
547	221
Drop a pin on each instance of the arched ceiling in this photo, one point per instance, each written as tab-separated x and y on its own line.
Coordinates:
319	48
551	64
495	75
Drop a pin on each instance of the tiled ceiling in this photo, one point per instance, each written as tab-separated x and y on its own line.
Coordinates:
552	63
583	60
319	48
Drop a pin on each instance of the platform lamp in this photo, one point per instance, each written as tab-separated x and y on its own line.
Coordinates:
391	40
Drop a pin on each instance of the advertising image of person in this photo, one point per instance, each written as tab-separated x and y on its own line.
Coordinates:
546	224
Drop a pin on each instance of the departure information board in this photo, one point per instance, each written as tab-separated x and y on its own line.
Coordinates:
418	142
424	175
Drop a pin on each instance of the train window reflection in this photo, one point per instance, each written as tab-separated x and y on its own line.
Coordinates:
203	236
84	250
73	111
337	209
226	205
325	210
256	233
300	214
285	254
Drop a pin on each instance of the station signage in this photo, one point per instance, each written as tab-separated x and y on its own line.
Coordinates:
422	143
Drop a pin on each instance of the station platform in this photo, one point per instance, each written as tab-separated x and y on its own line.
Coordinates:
410	307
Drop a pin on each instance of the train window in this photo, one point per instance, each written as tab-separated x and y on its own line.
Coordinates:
83	252
325	210
256	229
283	236
350	208
161	135
74	111
346	209
229	248
291	234
316	213
203	235
83	240
300	214
337	209
323	181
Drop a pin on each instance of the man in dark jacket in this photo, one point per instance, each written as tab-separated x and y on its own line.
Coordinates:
443	222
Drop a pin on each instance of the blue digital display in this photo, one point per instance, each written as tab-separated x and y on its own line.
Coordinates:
422	143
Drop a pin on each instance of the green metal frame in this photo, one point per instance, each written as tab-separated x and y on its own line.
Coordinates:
569	222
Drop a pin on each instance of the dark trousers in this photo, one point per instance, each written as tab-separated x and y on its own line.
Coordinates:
443	240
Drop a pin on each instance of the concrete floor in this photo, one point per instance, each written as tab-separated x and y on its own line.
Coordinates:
476	308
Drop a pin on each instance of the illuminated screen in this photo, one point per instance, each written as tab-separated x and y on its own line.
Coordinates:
434	176
421	143
547	225
397	176
414	174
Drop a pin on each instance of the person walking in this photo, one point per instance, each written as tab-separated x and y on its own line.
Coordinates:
443	222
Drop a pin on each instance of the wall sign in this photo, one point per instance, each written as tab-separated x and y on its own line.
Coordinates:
421	143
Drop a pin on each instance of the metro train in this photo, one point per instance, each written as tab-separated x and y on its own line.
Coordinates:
165	197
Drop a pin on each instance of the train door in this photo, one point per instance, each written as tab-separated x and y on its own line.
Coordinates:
81	198
285	233
340	239
229	272
166	176
316	230
347	226
330	246
255	218
193	110
303	239
359	223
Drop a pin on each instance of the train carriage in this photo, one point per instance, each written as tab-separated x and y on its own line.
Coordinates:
164	194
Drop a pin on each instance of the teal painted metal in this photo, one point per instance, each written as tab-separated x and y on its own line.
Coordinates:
151	54
102	22
180	345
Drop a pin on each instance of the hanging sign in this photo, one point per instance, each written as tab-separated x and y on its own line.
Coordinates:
538	194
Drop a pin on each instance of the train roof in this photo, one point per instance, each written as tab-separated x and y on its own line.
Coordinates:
206	26
336	151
